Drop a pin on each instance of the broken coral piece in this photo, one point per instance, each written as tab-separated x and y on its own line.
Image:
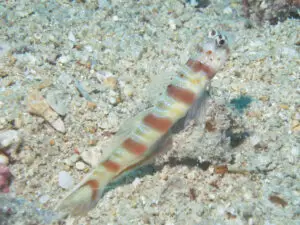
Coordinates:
5	176
37	105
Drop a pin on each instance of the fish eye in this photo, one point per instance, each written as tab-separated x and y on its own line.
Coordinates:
212	33
221	40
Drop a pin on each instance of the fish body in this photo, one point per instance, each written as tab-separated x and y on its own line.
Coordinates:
152	131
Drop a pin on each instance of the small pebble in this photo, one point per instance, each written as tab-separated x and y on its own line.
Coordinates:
91	105
44	198
71	37
92	142
222	169
283	106
192	175
110	82
164	176
295	151
89	48
18	123
264	98
294	155
64	59
128	90
255	141
112	100
92	130
296	129
297	116
28	157
136	182
228	10
74	158
52	142
65	180
172	24
66	168
115	18
80	165
4	159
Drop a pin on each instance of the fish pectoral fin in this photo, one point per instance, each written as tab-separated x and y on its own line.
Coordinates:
196	113
198	110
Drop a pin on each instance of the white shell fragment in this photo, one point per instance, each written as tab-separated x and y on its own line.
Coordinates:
65	180
71	37
80	165
44	198
37	105
9	140
4	159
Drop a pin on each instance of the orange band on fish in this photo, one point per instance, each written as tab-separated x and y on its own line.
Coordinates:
134	147
181	94
111	166
197	66
94	185
160	124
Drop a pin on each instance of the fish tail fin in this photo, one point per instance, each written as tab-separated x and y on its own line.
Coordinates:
85	195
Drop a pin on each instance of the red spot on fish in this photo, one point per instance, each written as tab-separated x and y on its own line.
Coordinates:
158	123
111	166
181	94
134	146
94	185
198	66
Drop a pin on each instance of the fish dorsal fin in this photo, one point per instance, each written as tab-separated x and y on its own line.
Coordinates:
158	85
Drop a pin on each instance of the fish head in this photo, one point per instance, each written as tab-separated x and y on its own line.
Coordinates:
215	51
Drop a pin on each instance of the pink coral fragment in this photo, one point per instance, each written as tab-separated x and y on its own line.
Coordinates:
4	178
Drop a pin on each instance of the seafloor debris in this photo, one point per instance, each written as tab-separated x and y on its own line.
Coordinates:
221	169
10	140
241	103
270	10
199	3
236	133
295	124
278	200
82	91
5	176
80	165
20	211
37	105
